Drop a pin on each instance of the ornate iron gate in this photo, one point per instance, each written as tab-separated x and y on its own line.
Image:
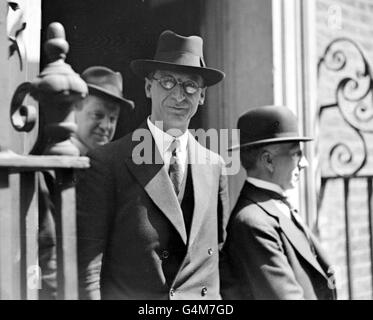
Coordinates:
345	153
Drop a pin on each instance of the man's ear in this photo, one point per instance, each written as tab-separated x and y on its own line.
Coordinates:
148	86
202	97
266	159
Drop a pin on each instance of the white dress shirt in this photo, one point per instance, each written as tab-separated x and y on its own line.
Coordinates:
163	141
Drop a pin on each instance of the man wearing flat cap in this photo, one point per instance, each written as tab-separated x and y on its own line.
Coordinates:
270	253
153	229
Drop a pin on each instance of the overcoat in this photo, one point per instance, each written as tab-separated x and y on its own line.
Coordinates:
266	256
132	239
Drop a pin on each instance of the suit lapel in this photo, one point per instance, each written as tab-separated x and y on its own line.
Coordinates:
294	235
155	181
299	241
201	177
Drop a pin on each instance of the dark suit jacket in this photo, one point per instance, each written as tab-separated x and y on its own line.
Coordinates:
266	256
131	233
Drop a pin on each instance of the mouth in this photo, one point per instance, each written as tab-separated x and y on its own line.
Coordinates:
101	136
178	110
179	107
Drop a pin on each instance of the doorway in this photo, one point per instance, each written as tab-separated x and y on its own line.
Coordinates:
115	32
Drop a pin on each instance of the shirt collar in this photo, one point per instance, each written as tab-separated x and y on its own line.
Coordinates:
163	140
267	185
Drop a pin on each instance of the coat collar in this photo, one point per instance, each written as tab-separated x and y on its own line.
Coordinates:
294	235
153	177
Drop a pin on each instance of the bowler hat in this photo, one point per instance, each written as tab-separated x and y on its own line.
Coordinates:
179	53
268	125
104	81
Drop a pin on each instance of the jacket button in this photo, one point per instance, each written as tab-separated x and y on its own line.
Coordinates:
210	251
203	291
172	292
165	254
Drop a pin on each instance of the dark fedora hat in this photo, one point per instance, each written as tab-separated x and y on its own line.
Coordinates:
179	53
268	125
106	82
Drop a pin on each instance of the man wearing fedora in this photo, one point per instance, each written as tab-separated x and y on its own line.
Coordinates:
96	118
97	115
153	229
270	253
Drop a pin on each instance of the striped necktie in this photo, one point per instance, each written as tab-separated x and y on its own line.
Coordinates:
175	170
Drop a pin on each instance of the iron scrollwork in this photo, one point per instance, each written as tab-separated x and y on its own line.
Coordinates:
23	117
56	88
345	60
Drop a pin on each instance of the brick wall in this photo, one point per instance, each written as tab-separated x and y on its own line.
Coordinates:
351	19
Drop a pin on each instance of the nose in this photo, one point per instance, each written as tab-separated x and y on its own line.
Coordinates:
303	163
105	123
178	93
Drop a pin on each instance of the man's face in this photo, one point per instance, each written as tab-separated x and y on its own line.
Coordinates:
175	107
96	121
288	161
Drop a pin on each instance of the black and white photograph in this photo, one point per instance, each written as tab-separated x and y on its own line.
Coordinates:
195	152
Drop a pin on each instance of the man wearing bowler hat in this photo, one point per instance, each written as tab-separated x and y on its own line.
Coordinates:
270	253
96	118
153	229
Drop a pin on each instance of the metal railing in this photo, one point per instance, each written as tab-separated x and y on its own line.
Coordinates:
345	69
56	89
20	275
